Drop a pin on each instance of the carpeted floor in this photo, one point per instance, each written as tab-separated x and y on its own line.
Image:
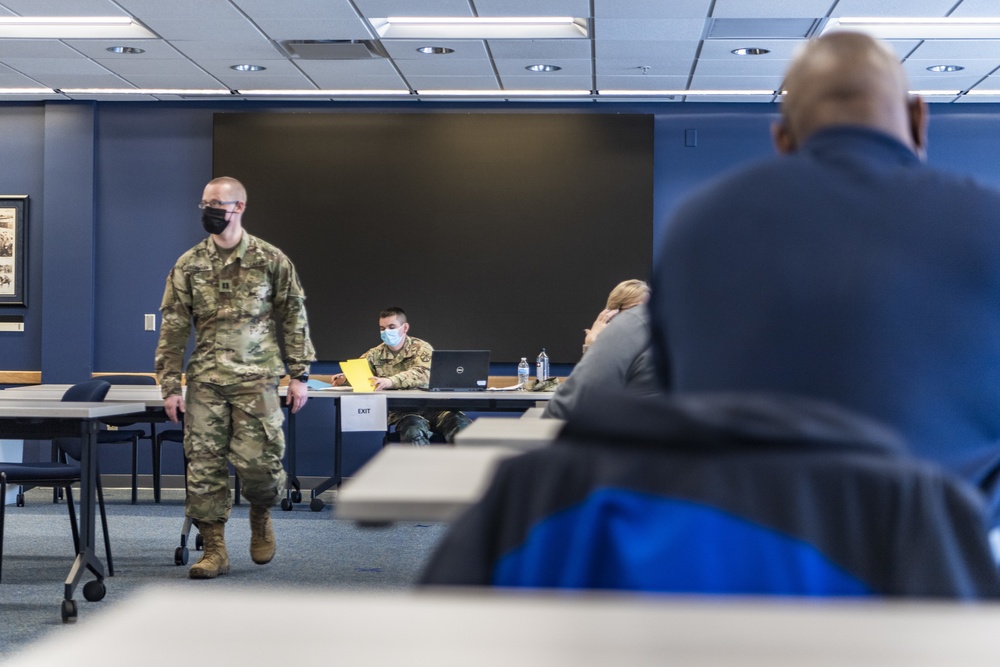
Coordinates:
314	552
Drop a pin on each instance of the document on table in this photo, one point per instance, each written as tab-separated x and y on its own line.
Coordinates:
358	373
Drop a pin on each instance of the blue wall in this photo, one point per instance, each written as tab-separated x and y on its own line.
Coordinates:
112	190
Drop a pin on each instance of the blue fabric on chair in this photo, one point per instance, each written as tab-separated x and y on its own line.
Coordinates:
131	436
60	474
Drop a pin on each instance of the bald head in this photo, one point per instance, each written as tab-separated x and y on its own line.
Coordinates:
848	78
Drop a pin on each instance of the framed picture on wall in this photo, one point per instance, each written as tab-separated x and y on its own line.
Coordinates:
13	237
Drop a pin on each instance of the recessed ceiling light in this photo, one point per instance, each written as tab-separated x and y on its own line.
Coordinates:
435	50
129	50
543	68
751	51
248	68
945	68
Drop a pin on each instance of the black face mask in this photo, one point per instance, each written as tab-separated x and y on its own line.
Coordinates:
214	220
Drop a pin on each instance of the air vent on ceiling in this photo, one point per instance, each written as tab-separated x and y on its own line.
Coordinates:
761	28
334	49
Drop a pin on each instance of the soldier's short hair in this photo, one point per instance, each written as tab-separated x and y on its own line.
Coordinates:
393	311
627	294
235	187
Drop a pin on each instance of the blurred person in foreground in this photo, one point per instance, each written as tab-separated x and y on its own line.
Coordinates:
818	317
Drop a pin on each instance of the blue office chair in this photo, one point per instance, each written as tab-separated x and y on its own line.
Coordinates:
60	474
131	436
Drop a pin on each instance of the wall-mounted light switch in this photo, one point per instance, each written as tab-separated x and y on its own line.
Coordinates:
151	322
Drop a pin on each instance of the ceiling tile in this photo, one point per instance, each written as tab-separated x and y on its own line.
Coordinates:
706	82
305	28
652	9
971	8
957	49
35	48
148	66
446	67
780	49
406	49
646	66
939	82
540	48
652	29
771	8
640	82
265	82
383	8
66	66
918	68
155	49
357	81
453	82
316	9
64	7
216	30
719	99
892	8
569	67
655	50
274	68
372	67
572	82
238	52
574	8
742	67
187	80
206	10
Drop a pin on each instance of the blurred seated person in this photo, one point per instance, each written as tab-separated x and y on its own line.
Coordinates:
618	354
728	494
625	295
782	326
401	361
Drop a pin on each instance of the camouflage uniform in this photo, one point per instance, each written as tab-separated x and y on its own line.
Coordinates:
241	306
410	368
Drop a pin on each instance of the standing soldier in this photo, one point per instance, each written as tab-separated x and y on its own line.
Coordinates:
245	301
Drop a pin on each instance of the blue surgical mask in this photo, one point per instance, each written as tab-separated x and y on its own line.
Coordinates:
392	337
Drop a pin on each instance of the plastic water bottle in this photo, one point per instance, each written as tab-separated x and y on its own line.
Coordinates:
522	373
542	366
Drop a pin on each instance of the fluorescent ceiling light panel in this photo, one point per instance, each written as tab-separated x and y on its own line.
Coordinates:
27	91
983	91
918	28
534	27
145	91
312	92
72	27
504	93
651	93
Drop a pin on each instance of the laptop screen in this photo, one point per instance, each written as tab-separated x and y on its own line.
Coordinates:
459	370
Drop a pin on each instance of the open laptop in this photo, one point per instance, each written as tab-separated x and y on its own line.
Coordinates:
459	370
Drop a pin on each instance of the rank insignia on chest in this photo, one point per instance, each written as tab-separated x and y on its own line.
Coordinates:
225	285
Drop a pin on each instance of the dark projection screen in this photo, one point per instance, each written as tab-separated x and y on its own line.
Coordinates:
492	231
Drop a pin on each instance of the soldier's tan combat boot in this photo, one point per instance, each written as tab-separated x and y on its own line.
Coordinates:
262	545
214	560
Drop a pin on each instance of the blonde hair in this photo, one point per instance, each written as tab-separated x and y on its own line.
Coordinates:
627	294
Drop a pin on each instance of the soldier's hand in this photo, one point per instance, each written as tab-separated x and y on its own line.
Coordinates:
174	407
298	394
381	383
338	380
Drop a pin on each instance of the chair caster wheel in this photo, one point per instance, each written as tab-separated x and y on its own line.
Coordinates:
180	556
296	496
94	591
199	542
316	504
286	504
68	611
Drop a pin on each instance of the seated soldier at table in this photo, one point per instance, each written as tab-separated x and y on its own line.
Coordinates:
404	362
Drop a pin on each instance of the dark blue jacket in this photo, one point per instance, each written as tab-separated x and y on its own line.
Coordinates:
849	272
722	494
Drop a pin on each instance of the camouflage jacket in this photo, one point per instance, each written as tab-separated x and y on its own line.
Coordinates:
241	310
410	368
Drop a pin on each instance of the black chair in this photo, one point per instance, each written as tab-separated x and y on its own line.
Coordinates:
131	436
60	474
